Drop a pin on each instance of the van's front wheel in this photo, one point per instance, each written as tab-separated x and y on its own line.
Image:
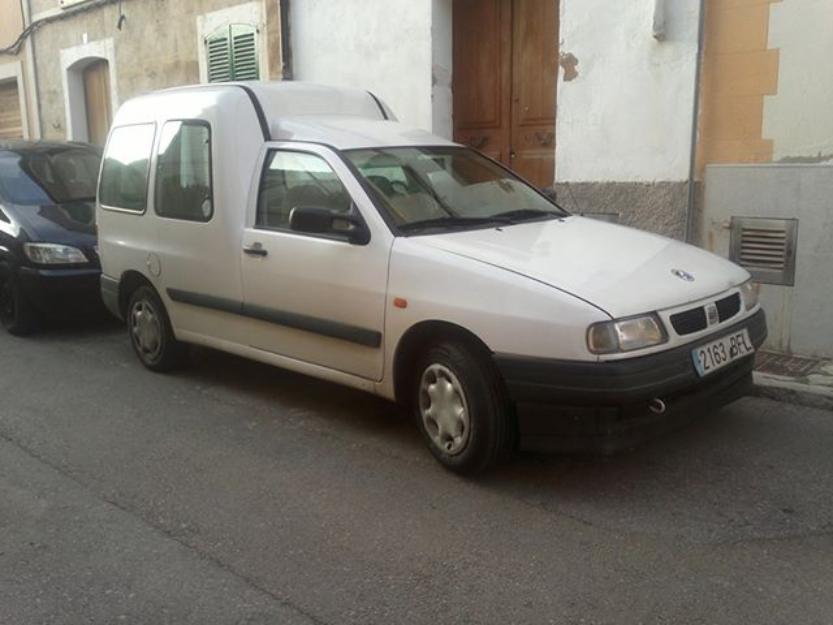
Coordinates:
150	332
460	407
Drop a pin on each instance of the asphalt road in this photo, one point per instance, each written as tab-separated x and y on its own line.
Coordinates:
238	493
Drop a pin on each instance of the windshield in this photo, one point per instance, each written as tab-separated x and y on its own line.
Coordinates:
425	188
49	176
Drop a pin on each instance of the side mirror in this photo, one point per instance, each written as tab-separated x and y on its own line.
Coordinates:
314	220
550	193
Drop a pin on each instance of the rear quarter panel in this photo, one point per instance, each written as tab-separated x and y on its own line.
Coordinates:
129	241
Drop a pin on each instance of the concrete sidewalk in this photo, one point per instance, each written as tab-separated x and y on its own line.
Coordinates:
805	381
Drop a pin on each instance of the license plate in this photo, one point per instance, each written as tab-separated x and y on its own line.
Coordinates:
717	354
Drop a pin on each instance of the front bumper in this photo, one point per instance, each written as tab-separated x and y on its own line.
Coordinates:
61	292
602	407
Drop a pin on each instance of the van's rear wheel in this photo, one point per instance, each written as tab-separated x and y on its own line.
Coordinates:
151	334
461	408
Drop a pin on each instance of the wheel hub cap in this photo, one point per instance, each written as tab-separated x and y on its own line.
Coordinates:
145	327
444	410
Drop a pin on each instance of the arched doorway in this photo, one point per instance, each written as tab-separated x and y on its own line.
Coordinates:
89	88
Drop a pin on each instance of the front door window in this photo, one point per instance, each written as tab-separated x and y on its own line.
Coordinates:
293	179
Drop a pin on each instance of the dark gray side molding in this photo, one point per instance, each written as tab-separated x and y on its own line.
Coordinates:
324	327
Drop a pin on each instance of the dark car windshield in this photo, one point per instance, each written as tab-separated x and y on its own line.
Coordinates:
430	188
53	176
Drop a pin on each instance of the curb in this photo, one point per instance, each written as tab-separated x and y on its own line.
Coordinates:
788	390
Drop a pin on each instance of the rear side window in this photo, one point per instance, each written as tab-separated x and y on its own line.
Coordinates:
293	179
124	176
51	176
183	171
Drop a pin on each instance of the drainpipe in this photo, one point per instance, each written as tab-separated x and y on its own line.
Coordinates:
34	91
695	122
286	47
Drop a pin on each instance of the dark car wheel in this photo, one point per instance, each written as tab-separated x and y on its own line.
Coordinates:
460	407
16	313
151	334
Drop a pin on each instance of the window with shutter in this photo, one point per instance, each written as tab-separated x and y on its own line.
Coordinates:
232	53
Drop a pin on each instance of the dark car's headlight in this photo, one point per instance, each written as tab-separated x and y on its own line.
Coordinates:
54	254
625	335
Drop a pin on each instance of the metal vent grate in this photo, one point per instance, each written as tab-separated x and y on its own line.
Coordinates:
766	248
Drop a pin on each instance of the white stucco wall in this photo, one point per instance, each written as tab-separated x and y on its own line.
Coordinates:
384	46
627	115
441	69
799	118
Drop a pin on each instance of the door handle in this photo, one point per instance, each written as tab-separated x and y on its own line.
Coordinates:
255	250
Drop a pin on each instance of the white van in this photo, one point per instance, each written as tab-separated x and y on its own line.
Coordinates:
301	226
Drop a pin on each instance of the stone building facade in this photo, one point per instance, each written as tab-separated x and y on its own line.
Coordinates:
679	116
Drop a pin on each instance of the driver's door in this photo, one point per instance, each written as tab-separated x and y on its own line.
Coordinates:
316	298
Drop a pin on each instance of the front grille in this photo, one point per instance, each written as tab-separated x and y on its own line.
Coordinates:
728	307
694	319
689	321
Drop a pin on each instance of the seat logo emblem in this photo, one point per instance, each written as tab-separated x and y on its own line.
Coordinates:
711	314
683	275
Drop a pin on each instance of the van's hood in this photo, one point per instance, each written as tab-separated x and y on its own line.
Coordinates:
621	270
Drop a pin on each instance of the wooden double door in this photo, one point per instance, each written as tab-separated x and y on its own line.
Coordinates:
504	82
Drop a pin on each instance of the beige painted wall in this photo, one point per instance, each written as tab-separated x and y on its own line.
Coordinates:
17	67
739	70
11	23
156	48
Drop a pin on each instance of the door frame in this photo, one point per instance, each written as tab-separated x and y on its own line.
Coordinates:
353	353
73	62
13	71
511	77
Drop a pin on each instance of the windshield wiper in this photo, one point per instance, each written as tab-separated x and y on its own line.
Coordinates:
450	222
506	218
522	214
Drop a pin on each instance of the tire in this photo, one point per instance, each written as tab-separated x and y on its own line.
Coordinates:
150	332
17	315
466	419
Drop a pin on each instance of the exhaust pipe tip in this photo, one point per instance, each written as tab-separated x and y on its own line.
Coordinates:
657	406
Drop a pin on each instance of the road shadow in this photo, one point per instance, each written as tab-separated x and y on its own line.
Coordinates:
98	322
367	415
729	473
264	385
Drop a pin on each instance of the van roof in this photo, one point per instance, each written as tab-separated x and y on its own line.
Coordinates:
342	117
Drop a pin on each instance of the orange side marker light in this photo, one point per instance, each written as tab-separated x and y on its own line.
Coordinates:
400	302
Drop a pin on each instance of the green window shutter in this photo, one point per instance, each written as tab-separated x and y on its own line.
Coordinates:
219	57
244	53
232	54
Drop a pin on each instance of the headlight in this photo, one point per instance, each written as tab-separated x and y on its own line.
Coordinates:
54	254
749	294
625	335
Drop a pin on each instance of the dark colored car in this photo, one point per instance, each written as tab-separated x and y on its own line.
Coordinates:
49	264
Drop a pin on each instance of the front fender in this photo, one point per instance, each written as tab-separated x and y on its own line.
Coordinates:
509	313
